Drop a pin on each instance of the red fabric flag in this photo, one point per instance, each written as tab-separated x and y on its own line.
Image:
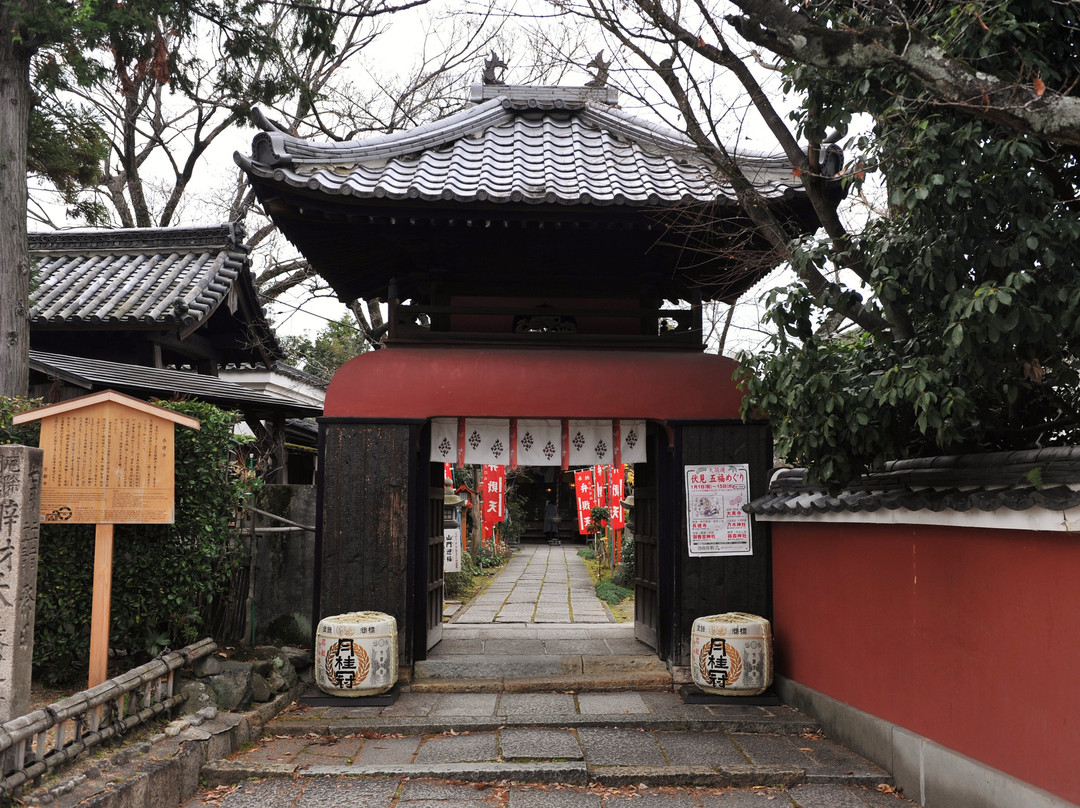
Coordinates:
493	493
618	492
583	488
600	480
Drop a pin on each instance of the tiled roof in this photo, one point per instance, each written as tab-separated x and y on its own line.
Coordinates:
554	145
95	374
1042	478
143	277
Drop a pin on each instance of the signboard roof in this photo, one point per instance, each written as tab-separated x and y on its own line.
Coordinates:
105	396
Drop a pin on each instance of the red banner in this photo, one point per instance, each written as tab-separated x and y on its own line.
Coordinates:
586	499
493	493
600	480
618	494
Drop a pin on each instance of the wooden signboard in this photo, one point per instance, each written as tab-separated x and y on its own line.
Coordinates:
108	459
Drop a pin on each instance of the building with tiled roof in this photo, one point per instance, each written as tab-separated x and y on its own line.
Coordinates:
161	297
545	189
157	313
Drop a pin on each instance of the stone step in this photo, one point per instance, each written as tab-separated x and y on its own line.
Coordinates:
464	712
529	673
572	756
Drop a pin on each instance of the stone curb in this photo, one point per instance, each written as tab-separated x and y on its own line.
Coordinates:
227	772
651	681
166	769
698	776
434	726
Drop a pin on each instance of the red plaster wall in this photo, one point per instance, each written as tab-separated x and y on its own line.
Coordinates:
425	382
970	637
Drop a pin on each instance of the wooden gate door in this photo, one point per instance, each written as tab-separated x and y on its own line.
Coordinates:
435	550
646	525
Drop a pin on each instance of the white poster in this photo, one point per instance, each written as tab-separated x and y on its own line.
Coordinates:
451	549
716	523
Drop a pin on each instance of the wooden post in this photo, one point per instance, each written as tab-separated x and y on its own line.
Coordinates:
101	604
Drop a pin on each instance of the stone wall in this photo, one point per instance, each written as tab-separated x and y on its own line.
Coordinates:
283	567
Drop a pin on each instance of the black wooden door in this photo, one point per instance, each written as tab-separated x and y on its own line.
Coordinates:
712	585
435	550
646	523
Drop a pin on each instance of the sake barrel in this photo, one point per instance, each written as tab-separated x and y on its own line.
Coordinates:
731	654
356	654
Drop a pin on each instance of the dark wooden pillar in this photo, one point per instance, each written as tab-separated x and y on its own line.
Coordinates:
366	520
714	585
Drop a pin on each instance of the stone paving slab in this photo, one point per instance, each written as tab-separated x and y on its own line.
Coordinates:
535	744
466	748
619	747
423	713
386	792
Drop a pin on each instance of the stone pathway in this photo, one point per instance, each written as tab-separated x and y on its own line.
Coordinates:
540	584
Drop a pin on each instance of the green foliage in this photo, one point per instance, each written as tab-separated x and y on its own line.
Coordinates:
166	578
587	552
460	585
514	525
610	592
626	572
332	347
239	52
26	434
978	254
598	517
67	146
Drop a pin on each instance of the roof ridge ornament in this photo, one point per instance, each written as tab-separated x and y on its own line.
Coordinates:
490	66
600	79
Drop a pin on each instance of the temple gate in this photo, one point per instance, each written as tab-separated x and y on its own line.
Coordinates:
542	256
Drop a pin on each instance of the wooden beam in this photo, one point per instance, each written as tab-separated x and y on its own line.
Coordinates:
100	605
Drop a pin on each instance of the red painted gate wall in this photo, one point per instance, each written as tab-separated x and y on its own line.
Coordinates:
970	637
424	381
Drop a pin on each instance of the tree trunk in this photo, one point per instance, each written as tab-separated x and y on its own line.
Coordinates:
14	249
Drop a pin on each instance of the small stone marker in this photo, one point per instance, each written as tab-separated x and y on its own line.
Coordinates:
20	500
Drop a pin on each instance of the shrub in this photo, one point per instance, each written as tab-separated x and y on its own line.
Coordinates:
624	575
610	592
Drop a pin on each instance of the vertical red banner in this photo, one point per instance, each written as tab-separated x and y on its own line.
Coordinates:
583	488
600	482
602	475
618	494
493	493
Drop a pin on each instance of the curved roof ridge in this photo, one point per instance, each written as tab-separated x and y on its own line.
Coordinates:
126	239
638	129
274	147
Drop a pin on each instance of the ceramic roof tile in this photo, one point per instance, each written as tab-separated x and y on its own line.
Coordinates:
515	148
1043	478
136	379
136	277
